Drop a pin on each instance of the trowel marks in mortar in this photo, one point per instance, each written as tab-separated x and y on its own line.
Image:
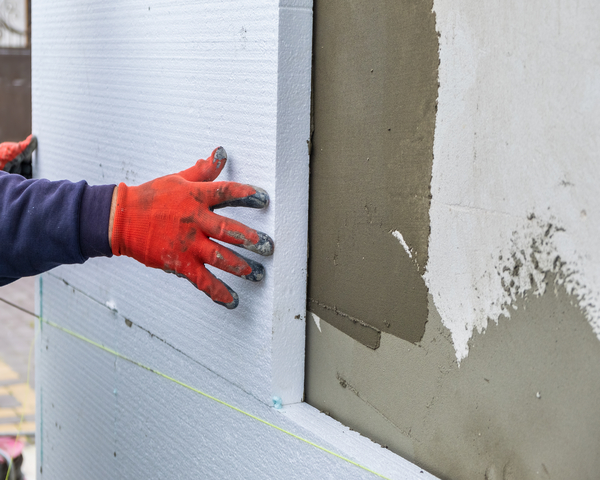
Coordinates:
515	171
375	90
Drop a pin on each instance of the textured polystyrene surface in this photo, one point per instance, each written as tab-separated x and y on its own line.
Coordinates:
103	417
124	91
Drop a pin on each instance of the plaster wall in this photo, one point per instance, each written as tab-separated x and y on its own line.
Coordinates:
124	91
504	382
516	159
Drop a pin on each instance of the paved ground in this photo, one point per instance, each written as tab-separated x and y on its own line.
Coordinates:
17	397
16	327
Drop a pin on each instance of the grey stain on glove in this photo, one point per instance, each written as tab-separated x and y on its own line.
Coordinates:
260	199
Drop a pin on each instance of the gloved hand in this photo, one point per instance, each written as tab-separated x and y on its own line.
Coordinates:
166	223
15	157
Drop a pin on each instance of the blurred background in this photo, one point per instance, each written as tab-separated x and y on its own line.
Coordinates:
15	69
17	398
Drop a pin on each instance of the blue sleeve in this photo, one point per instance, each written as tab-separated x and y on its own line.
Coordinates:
44	224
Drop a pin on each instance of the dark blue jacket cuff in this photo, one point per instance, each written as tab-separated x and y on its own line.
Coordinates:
94	215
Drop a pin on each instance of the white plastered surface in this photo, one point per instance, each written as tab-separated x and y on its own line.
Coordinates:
516	159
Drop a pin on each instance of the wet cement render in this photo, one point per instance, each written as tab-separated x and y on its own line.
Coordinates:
522	405
374	103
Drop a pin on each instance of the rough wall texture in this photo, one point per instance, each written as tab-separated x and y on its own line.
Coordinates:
515	177
504	382
375	88
518	407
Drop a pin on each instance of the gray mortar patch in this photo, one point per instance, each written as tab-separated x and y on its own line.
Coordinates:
523	402
531	259
375	91
368	335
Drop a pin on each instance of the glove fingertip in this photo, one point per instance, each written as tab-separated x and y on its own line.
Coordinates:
219	157
234	303
259	199
220	154
265	245
258	270
33	142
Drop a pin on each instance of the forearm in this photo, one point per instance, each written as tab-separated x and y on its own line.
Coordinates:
168	223
46	224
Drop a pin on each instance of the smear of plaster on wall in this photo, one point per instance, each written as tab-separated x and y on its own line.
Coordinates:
515	159
317	320
398	236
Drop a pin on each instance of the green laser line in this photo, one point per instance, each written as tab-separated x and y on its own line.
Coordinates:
193	389
204	394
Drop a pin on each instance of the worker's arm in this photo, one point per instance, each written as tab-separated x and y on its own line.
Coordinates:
165	224
44	224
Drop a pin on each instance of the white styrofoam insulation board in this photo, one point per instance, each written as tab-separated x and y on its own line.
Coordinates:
125	91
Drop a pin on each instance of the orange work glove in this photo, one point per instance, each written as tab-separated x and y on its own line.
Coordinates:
15	157
167	223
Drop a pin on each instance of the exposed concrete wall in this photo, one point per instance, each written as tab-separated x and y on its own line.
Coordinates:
505	381
520	406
